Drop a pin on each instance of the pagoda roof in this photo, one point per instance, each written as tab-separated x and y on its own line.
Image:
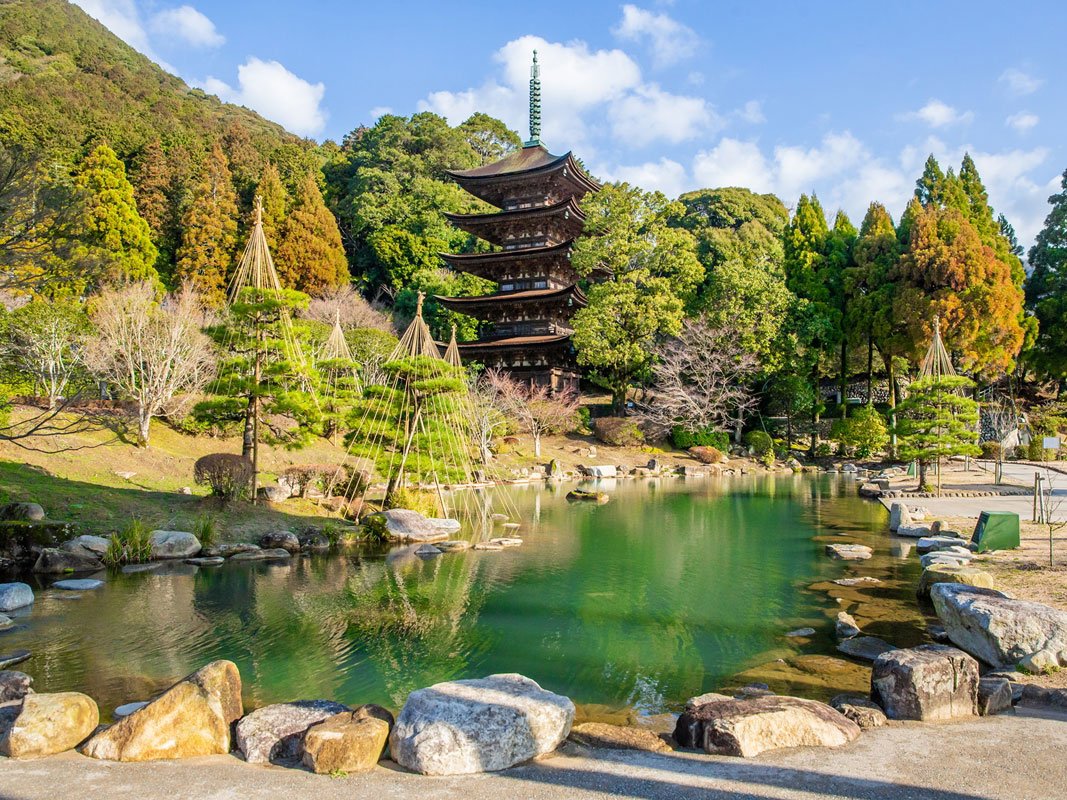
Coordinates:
483	225
461	261
528	162
507	298
514	342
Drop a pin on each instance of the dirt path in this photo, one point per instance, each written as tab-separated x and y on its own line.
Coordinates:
1009	757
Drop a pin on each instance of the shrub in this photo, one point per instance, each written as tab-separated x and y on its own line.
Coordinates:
131	545
1034	450
822	450
206	529
373	529
759	443
585	419
228	475
414	500
864	432
707	455
991	450
618	431
768	459
324	477
683	439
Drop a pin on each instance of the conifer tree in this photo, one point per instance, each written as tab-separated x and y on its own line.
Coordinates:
1046	289
209	233
275	203
114	228
839	260
151	182
310	255
937	421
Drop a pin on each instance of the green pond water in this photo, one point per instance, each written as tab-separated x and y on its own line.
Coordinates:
665	592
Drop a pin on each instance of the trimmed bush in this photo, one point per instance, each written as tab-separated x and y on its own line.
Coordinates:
1034	450
707	455
990	450
618	431
759	442
325	477
684	439
228	475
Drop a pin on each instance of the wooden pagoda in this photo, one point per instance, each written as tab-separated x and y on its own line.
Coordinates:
526	322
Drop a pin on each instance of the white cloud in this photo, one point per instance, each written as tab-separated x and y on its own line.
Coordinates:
270	89
937	114
669	40
665	175
648	114
1018	82
733	163
752	112
122	18
380	111
188	25
1022	121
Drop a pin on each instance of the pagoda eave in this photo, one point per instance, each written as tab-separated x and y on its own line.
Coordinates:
571	296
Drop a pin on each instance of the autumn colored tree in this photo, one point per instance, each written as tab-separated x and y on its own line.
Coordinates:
151	180
310	255
275	203
209	232
947	271
113	226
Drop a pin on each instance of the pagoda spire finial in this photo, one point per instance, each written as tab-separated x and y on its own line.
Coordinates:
535	103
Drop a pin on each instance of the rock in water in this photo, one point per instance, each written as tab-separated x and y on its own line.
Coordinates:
285	540
403	525
50	723
951	573
617	737
865	647
15	595
78	585
898	516
273	733
192	718
348	742
207	561
860	710
173	544
480	725
848	552
995	628
749	727
929	682
227	550
14	657
846	626
53	561
14	685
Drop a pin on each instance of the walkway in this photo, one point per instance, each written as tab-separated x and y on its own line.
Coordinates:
995	758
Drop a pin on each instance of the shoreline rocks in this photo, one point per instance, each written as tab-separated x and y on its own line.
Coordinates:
15	595
273	733
50	723
403	525
928	682
14	685
173	544
351	742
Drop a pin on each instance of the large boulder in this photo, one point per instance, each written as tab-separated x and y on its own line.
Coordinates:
479	725
403	525
14	685
996	628
898	516
95	545
192	718
227	550
952	573
929	682
15	595
280	540
274	494
50	723
53	561
173	544
352	741
21	512
749	727
273	733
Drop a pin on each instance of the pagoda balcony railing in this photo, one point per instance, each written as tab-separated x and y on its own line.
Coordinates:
507	330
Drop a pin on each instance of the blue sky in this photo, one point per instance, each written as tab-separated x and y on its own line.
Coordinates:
845	99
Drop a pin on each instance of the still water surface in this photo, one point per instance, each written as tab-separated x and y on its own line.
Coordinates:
657	596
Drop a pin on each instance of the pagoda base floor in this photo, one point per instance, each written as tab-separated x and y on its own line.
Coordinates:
555	378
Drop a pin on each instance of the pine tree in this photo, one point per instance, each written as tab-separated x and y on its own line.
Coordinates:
937	421
114	228
839	260
1046	289
930	187
209	232
310	255
275	202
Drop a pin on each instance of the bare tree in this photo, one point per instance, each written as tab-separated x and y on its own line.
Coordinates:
347	306
46	340
702	378
536	409
486	418
150	351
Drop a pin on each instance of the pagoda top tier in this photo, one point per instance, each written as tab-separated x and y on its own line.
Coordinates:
527	178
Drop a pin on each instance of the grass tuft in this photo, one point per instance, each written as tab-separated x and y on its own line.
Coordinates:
131	545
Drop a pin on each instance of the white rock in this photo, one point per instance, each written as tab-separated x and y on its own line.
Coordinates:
913	531
97	545
481	725
15	595
174	544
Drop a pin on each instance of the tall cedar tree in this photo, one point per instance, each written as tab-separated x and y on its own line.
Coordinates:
210	232
656	273
114	228
947	271
839	261
1046	290
151	180
275	205
815	311
937	421
310	256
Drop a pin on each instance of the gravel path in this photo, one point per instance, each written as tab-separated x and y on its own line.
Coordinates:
1009	757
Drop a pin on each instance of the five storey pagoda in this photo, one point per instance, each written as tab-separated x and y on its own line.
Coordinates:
528	331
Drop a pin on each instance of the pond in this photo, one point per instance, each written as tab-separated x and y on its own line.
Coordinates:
664	593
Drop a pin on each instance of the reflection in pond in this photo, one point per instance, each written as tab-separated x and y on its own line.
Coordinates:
665	592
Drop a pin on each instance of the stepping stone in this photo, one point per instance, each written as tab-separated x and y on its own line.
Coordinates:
506	542
16	657
78	585
453	546
132	569
865	647
126	709
207	561
848	552
801	632
427	551
275	554
511	525
856	581
488	546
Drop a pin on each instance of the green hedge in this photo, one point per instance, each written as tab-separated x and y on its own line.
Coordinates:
683	439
